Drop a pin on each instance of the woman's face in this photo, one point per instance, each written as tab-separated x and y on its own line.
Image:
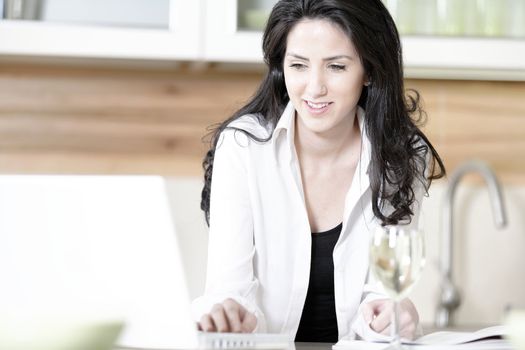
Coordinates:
324	75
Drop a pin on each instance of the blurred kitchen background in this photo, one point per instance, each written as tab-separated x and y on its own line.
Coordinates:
131	86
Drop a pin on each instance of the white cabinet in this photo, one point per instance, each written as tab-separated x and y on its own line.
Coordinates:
426	56
230	31
180	40
464	58
225	39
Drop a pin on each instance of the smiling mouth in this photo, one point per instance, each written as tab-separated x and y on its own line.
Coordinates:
317	105
317	109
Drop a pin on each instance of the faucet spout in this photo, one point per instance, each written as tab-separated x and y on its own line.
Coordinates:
450	298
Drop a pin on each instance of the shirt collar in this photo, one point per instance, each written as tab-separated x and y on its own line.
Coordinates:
366	148
284	132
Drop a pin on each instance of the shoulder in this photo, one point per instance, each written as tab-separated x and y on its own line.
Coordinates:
254	124
244	132
241	145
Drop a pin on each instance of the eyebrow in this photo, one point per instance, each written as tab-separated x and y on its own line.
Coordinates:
333	58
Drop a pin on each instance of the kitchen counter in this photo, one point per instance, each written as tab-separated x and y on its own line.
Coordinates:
298	346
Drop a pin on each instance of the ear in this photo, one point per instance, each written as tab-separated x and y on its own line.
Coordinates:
366	80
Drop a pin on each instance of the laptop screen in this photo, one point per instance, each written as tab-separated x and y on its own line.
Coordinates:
98	245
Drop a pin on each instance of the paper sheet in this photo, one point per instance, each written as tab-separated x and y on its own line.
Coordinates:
486	338
452	338
492	344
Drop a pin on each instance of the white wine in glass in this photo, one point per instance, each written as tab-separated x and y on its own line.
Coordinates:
397	258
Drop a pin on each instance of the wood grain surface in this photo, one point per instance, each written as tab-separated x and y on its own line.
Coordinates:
136	121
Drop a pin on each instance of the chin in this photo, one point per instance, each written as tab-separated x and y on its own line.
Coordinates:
317	126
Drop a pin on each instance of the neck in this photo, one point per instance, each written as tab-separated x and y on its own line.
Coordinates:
327	148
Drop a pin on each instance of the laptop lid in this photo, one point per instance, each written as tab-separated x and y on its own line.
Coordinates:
99	245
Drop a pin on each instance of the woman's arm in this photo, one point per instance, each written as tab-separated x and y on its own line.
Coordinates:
231	286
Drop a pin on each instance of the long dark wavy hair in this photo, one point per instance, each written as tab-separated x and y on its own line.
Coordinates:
399	149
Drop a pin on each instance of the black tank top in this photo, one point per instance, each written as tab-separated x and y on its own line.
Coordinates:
318	320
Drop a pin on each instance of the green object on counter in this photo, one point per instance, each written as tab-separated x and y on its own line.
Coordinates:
54	332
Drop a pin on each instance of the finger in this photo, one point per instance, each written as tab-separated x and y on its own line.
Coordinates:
232	311
408	306
408	321
219	319
407	327
368	313
408	331
379	306
206	324
382	321
249	322
372	308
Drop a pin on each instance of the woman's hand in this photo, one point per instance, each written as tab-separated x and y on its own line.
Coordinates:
378	314
228	316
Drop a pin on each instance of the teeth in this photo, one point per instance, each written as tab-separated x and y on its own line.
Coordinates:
316	105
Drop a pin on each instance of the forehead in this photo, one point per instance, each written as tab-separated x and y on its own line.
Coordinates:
321	36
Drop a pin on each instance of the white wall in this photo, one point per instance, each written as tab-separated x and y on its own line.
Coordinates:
489	264
185	194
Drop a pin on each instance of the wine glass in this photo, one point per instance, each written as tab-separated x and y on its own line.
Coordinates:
397	258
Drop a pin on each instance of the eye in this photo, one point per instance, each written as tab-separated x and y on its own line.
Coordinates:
337	67
298	66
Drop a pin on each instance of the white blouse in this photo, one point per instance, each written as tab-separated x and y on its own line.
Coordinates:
260	238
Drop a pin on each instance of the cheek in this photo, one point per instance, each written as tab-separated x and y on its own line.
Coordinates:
350	90
347	84
293	85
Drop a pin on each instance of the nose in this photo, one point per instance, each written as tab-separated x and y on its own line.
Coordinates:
316	86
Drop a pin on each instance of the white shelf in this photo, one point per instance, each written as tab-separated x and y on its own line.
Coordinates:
223	40
182	41
464	58
424	56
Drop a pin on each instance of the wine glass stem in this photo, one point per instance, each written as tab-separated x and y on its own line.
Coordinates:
396	340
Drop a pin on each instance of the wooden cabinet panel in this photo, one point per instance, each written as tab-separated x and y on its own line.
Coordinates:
80	120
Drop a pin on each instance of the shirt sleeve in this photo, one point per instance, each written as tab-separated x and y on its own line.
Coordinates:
231	247
372	290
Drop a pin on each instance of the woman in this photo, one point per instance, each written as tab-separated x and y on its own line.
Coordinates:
295	181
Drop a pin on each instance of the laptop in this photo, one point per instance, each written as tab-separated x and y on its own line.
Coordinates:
104	246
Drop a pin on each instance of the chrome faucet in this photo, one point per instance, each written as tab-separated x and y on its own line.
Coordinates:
450	298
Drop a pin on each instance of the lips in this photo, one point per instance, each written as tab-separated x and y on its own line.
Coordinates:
317	107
